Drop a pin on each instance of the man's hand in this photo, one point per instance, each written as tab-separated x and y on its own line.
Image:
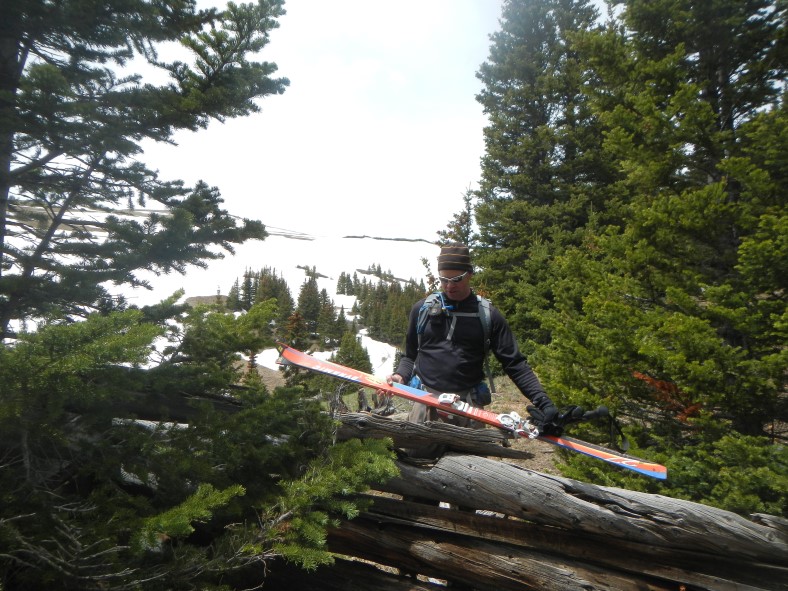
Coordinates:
391	379
395	377
544	419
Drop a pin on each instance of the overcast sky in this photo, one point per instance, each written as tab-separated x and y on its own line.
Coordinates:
379	132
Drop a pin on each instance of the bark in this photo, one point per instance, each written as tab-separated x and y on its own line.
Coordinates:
343	575
486	442
478	562
645	518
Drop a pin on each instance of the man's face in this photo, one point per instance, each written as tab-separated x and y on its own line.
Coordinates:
456	284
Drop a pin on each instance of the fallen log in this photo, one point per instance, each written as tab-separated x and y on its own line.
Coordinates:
479	563
649	519
343	575
486	442
520	529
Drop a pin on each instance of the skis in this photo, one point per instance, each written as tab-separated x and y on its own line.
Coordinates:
446	402
451	403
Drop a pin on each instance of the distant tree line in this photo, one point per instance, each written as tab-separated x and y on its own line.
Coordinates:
381	305
385	309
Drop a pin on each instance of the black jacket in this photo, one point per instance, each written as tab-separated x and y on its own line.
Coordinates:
458	364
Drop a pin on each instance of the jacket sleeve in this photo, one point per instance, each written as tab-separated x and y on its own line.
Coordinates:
505	349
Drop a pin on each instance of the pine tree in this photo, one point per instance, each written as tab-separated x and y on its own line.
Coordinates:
543	172
342	283
460	228
677	316
296	332
309	304
386	309
94	498
234	297
341	325
73	197
248	295
327	323
273	286
352	354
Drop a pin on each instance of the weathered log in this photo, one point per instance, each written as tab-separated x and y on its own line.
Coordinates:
561	534
479	563
551	500
622	559
488	442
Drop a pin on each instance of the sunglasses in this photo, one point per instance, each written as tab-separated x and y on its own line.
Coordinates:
456	279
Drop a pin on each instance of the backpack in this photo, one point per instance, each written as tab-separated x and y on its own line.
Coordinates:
434	304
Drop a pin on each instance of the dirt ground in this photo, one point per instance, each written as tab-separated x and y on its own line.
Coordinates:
272	378
508	398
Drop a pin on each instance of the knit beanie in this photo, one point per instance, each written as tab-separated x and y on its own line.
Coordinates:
456	257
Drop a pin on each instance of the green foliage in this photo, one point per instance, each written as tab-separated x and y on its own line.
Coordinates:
329	330
325	492
259	286
346	284
47	369
214	340
460	228
736	472
543	173
296	332
385	308
115	475
309	304
352	354
177	521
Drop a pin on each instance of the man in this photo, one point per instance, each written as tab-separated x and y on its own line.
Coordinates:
449	354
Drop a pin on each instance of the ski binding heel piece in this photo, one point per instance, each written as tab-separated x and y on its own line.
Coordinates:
520	426
448	399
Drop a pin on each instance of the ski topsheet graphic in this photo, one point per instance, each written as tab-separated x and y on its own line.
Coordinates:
451	403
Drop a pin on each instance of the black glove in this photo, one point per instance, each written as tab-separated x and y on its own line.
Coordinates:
545	418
